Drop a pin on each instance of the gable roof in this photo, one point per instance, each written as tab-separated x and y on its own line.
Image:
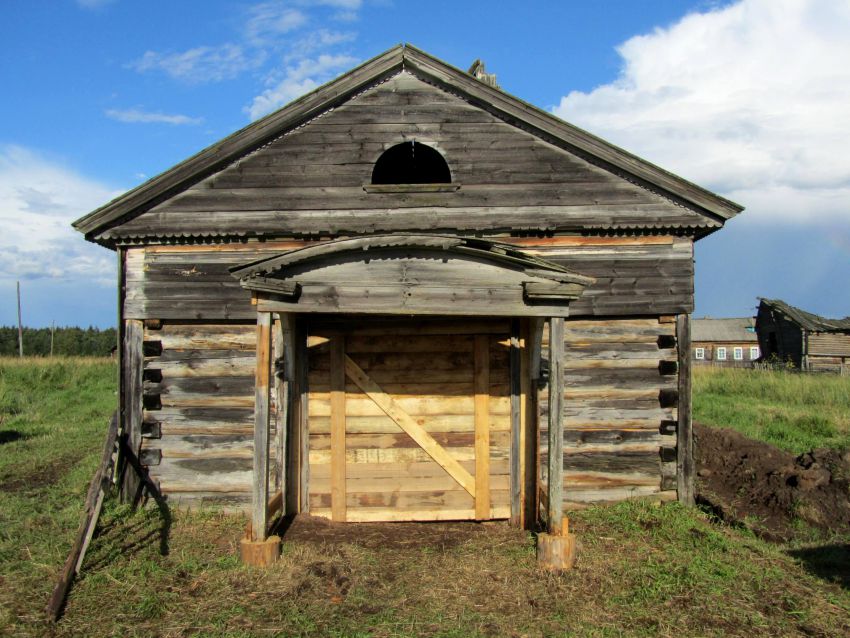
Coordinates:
807	320
402	57
725	329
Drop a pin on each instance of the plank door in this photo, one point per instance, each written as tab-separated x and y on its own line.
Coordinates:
410	422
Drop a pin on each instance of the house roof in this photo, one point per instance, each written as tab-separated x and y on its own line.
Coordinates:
726	329
807	320
409	58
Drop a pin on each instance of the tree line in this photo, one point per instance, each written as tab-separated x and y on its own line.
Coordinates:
67	341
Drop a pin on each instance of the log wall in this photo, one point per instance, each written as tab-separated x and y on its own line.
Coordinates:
620	414
634	276
199	407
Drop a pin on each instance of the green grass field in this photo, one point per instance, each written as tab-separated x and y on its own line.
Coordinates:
643	570
795	412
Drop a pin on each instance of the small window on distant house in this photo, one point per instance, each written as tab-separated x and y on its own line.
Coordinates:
738	354
699	353
754	353
411	163
721	354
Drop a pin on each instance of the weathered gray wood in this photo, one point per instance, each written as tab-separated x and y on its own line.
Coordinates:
555	478
132	398
631	280
685	467
259	519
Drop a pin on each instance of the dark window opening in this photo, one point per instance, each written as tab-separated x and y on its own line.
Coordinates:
411	163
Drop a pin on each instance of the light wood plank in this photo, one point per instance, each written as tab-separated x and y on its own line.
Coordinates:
481	383
338	428
409	425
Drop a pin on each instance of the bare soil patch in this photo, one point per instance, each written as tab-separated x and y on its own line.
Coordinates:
437	536
36	478
775	494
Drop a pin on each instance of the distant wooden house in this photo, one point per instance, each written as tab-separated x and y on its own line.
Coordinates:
727	342
807	341
407	296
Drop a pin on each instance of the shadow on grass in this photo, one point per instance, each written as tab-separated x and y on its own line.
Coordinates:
830	562
8	436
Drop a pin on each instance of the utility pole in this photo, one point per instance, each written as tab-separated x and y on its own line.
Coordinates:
52	330
20	325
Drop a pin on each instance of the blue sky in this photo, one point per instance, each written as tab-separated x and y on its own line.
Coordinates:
100	95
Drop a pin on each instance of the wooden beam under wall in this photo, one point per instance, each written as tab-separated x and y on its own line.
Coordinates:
259	519
481	389
133	364
337	374
556	426
517	449
685	434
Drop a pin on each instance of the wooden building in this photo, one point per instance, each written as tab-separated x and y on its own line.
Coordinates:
809	342
727	342
405	296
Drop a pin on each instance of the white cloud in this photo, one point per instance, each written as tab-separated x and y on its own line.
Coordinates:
40	200
297	80
201	64
270	20
751	100
138	116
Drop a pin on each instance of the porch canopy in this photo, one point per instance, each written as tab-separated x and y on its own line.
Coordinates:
412	274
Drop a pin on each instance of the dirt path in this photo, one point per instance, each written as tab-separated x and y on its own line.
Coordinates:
778	496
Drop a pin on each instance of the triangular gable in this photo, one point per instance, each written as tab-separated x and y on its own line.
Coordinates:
696	202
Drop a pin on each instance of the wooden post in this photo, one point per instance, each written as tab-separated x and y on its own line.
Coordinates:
481	389
685	435
288	465
556	550
529	447
282	414
337	372
556	425
133	363
259	518
517	439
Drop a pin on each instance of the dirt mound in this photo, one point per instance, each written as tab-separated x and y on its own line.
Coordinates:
772	492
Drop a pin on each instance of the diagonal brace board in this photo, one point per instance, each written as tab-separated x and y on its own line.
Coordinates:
410	426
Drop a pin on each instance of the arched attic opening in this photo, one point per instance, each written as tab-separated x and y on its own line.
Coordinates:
411	163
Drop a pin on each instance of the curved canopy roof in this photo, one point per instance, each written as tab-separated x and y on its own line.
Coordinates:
412	274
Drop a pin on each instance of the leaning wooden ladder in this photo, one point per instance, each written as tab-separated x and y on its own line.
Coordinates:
94	502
